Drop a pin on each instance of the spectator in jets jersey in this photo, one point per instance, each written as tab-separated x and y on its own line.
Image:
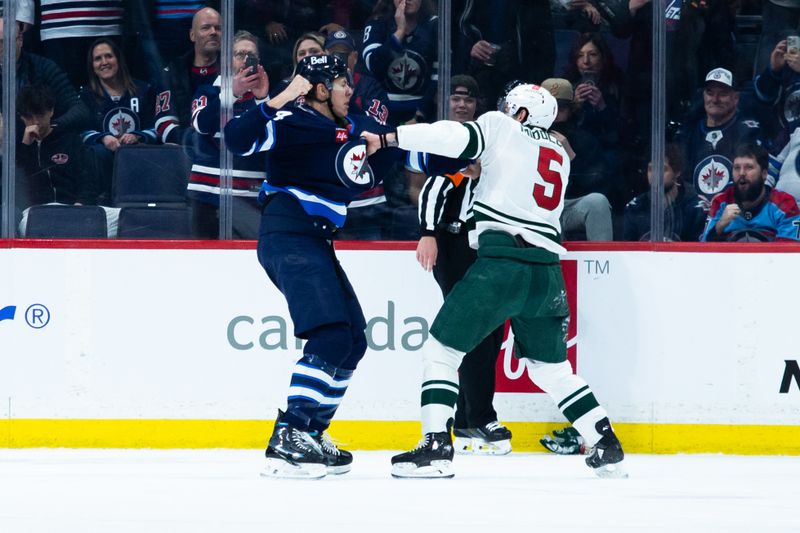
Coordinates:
710	141
249	90
200	66
122	109
749	210
400	50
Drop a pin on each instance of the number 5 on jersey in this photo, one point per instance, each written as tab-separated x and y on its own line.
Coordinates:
550	176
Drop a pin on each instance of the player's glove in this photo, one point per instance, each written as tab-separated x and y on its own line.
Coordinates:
566	441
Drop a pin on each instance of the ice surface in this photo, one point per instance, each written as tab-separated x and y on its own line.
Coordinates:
144	491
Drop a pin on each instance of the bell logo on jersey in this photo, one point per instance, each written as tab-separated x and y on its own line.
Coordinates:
712	174
341	135
352	167
512	373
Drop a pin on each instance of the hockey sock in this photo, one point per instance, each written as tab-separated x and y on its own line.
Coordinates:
572	395
331	399
311	379
439	385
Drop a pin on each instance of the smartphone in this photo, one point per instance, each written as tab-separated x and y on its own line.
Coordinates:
793	44
252	63
589	78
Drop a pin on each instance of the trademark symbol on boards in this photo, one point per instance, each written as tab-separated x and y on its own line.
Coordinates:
37	316
597	267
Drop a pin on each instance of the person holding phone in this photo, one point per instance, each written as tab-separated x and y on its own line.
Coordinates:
249	88
597	81
778	86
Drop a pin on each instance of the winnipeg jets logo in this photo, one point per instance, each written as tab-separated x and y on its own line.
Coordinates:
713	137
791	107
120	121
406	72
356	161
712	175
352	166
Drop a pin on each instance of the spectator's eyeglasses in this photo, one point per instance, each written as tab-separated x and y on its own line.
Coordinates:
241	55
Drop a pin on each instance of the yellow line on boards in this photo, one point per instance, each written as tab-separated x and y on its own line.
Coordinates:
380	435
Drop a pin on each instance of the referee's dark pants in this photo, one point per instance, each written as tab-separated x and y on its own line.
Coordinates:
477	372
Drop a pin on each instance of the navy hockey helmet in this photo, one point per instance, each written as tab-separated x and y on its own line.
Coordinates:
322	69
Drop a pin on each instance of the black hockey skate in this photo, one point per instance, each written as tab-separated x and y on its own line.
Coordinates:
432	458
607	455
490	439
337	461
293	453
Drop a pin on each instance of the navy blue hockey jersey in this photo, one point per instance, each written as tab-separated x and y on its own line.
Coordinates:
407	69
320	163
710	152
132	113
247	173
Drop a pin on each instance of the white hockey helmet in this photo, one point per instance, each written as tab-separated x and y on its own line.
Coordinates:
541	105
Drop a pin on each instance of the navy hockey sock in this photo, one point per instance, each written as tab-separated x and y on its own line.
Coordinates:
311	380
331	400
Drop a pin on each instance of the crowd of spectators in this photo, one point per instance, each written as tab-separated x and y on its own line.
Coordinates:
126	72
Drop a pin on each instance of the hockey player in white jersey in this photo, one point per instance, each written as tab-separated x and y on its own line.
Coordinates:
517	206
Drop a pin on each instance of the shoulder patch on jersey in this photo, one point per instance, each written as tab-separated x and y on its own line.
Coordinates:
751	123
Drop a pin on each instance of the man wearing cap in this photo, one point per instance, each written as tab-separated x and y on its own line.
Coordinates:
586	206
711	141
444	249
369	216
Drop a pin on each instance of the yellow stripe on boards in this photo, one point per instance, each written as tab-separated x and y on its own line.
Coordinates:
381	435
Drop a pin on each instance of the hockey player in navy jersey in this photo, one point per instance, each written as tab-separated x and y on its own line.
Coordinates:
316	163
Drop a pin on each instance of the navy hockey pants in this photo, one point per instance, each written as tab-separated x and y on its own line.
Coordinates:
305	269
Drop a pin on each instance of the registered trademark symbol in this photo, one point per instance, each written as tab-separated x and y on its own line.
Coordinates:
37	316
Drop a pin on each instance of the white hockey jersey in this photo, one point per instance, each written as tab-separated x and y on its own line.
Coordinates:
524	173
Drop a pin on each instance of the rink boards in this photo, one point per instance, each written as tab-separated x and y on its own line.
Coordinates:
691	349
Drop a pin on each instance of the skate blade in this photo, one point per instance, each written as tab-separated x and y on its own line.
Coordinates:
613	471
338	470
278	468
499	447
463	445
437	469
475	446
